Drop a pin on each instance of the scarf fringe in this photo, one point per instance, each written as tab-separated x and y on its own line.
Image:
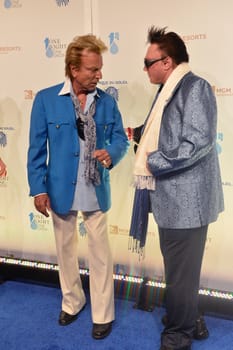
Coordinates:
135	246
144	182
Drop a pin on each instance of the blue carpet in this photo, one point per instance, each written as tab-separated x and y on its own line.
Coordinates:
28	321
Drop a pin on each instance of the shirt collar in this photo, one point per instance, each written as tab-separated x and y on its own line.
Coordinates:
67	88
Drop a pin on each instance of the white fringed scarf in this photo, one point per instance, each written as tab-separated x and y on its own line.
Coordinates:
143	179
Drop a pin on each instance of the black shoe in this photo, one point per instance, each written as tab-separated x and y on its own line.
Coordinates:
65	318
200	333
100	331
164	320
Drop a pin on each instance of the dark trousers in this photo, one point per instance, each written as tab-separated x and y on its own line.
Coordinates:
182	251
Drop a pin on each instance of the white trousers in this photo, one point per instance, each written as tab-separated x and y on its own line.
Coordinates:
100	265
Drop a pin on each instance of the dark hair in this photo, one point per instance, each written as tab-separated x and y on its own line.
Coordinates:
170	43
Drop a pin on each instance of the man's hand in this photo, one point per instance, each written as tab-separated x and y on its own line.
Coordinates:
42	204
103	157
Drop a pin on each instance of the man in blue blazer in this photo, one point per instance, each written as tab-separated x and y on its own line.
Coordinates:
177	174
76	137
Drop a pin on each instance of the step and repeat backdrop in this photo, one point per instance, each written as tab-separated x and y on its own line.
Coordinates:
33	39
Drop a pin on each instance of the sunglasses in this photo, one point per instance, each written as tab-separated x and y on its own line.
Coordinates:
149	63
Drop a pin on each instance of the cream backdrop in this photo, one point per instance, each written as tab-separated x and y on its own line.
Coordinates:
33	39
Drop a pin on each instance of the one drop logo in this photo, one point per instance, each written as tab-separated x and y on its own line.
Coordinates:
219	148
33	222
112	41
3	140
7	4
219	141
111	90
48	48
12	3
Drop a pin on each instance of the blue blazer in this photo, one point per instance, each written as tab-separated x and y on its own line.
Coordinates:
188	190
54	149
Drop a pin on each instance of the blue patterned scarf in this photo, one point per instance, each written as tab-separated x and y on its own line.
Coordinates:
91	172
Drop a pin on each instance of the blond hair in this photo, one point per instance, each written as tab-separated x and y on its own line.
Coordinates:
75	48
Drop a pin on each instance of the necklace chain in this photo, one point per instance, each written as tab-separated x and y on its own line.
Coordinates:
82	101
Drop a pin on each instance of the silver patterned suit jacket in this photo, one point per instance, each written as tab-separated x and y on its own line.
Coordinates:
188	190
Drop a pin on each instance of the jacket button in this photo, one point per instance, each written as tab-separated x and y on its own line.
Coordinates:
57	126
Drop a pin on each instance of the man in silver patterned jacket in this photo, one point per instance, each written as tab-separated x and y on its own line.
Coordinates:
177	164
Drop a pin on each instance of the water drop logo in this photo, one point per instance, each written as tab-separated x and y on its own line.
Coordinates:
3	140
219	140
112	41
39	222
48	48
12	4
7	4
33	222
62	2
54	47
111	90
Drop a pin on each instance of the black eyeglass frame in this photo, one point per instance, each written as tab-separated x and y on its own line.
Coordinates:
149	63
